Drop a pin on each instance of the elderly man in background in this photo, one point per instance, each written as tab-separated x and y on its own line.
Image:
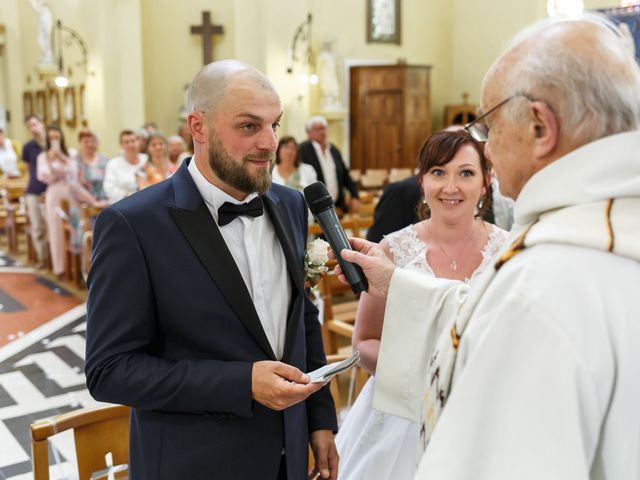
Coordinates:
538	365
327	161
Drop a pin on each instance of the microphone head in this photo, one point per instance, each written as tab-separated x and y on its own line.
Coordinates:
317	197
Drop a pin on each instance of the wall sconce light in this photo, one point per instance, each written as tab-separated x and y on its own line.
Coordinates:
62	40
302	39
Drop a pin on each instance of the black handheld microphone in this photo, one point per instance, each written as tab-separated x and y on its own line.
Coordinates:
321	205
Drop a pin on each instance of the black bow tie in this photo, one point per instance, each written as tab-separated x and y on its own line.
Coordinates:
229	211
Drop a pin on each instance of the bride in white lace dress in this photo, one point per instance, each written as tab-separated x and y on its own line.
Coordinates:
451	241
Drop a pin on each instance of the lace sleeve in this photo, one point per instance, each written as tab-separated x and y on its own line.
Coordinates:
405	246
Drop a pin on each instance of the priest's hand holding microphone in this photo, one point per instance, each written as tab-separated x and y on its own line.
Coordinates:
361	264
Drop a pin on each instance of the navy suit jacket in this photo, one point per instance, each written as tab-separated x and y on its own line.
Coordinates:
172	332
308	155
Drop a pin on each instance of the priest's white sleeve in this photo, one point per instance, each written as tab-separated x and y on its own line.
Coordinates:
418	309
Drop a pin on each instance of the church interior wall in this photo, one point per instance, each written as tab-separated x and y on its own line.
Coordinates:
11	63
142	55
172	55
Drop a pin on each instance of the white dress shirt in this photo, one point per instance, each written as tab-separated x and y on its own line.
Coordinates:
328	166
121	177
255	247
8	159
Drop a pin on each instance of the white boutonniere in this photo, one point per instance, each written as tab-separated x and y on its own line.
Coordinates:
315	259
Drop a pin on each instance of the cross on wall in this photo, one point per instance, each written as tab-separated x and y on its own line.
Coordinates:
207	30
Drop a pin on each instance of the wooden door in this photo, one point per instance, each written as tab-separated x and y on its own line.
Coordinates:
390	115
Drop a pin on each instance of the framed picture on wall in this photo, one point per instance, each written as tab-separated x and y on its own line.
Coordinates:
27	104
383	21
82	106
54	106
40	107
69	106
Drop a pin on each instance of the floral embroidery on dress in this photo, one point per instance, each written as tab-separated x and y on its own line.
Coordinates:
410	252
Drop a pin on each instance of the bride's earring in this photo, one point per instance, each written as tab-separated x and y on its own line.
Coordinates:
424	201
480	203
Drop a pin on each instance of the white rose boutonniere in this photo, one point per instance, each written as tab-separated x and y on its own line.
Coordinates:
315	260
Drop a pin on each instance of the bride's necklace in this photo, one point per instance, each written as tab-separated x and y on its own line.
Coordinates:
453	263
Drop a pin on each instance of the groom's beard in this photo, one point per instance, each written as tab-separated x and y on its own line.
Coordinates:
237	174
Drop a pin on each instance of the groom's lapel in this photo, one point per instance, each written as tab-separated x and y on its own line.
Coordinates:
194	220
277	211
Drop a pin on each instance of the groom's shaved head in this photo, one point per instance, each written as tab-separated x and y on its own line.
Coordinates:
209	87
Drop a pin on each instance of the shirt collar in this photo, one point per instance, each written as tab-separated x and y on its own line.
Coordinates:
318	147
212	195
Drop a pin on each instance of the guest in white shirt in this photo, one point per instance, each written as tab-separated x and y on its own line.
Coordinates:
120	177
327	161
8	157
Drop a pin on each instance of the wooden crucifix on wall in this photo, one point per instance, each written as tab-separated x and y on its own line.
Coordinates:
207	30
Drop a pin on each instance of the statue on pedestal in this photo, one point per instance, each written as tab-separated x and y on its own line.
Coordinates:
328	79
44	32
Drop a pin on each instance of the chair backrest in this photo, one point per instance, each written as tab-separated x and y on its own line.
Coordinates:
97	431
374	178
397	174
357	378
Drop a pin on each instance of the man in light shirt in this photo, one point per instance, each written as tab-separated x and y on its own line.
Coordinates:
327	161
121	172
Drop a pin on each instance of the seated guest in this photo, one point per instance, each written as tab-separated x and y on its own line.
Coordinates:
8	157
177	152
91	164
288	170
120	177
327	161
157	167
151	128
185	134
451	241
142	136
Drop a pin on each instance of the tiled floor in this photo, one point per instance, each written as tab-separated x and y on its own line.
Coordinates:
42	337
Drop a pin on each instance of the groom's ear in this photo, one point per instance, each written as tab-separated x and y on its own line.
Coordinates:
198	127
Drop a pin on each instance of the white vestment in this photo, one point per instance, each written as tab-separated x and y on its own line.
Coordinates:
546	383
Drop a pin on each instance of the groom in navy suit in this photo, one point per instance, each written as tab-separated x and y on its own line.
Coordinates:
197	314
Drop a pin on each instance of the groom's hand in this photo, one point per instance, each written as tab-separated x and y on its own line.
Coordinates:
277	385
325	455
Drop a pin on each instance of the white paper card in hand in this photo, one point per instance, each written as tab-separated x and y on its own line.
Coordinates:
326	373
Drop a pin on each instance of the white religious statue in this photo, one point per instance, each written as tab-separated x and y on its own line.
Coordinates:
328	79
44	32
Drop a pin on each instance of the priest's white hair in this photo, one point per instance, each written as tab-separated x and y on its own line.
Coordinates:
583	67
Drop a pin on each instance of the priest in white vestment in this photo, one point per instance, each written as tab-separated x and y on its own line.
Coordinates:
535	368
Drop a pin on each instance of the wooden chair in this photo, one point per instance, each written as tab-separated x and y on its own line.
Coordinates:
357	378
397	174
355	174
374	178
339	318
96	430
71	254
85	255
